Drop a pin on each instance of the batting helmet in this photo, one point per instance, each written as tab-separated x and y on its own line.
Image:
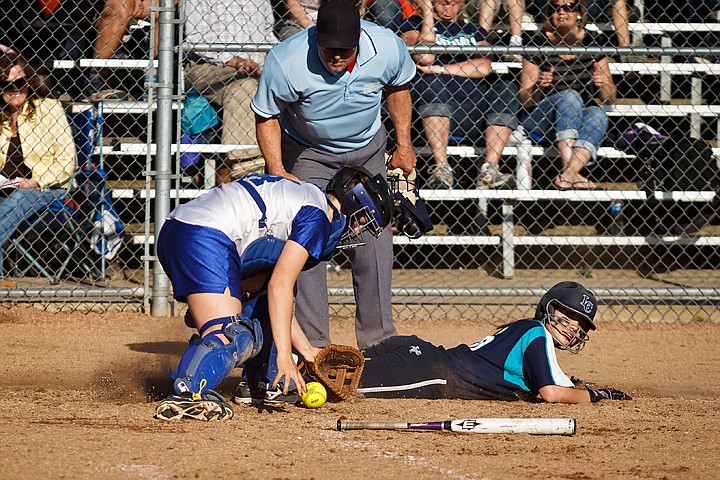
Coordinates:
365	200
569	297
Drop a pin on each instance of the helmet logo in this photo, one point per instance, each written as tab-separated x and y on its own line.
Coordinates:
586	304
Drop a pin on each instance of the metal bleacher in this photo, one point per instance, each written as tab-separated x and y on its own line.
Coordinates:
506	236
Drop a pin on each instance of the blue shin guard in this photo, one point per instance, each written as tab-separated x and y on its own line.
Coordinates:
207	360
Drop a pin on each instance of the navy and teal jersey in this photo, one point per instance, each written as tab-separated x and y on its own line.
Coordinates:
512	364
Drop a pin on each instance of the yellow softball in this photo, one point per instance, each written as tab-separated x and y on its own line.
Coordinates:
318	387
315	396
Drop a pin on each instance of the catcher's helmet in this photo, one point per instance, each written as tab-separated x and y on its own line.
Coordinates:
570	297
364	199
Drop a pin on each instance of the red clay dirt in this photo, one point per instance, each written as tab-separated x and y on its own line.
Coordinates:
79	392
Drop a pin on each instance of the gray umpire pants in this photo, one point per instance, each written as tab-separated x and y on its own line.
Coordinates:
371	263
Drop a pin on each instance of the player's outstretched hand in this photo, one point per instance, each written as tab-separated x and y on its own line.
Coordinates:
598	394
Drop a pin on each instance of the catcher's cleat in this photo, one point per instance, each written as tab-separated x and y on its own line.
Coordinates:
247	395
211	407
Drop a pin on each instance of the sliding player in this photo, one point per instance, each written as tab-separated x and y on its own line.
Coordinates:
516	363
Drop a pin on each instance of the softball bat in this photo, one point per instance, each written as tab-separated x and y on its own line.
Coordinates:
534	426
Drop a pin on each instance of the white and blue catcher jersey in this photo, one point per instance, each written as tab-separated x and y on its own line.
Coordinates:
293	210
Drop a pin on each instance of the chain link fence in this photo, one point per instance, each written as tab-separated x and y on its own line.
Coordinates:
555	141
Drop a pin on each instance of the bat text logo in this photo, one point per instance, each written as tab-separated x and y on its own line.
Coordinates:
469	424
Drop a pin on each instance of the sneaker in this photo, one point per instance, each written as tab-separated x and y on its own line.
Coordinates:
211	407
96	90
491	177
247	395
108	94
441	176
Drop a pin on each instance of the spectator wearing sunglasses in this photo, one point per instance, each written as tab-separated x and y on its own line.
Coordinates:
616	10
37	153
559	92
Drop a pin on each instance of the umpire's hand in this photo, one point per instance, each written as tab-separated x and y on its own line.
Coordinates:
403	157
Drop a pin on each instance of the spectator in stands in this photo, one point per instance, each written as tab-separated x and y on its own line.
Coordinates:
37	152
299	15
453	96
111	26
230	79
318	109
619	16
388	13
559	91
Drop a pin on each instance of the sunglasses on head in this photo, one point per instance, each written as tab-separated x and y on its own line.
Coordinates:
17	84
569	6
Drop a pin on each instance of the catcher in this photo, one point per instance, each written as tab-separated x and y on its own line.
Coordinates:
516	363
254	236
338	367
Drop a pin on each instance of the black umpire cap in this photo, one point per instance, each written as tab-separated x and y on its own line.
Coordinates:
338	25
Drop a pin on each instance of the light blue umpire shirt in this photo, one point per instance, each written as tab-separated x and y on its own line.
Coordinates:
338	113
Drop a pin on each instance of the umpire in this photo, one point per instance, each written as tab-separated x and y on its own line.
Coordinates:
317	109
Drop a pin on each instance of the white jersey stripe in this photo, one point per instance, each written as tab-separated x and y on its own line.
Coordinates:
400	388
557	374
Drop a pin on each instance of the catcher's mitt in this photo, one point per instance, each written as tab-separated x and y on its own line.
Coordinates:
338	367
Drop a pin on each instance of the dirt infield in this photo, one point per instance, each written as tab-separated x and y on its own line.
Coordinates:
79	391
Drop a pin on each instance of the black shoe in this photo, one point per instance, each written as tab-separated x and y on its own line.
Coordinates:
247	395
